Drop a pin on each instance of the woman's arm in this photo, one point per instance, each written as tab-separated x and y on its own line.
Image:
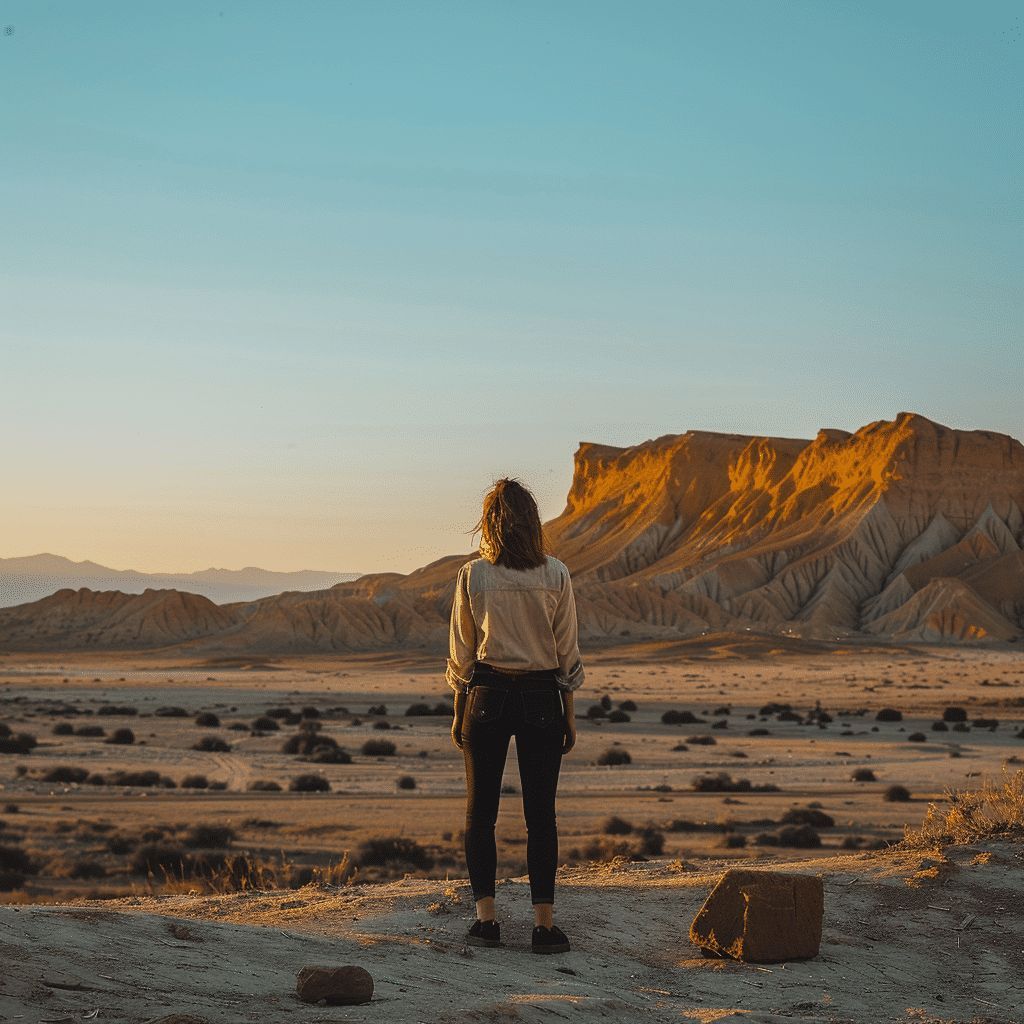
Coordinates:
461	637
569	722
461	651
566	631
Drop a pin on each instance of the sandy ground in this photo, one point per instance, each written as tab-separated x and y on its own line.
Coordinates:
892	950
908	937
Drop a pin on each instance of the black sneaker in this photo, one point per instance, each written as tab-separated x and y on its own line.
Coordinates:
549	940
484	933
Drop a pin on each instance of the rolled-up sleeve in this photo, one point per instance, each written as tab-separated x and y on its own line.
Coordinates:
461	637
570	668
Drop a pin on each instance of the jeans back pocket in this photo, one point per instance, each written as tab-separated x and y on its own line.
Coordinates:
486	703
541	708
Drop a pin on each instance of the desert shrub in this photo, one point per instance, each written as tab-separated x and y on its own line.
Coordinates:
701	741
734	841
382	724
207	720
889	715
208	837
11	808
896	794
310	725
954	715
171	712
799	836
304	742
5	729
139	779
406	782
15	865
863	775
90	730
212	744
117	709
265	724
673	717
380	709
379	748
400	849
309	784
120	845
329	755
760	731
195	782
87	868
278	712
808	816
774	708
940	726
17	743
986	723
787	716
614	757
596	711
154	858
415	710
616	826
627	705
64	773
618	716
63	729
122	737
264	786
916	737
994	810
723	782
218	784
652	842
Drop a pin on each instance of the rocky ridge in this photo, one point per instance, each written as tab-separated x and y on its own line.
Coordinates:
905	530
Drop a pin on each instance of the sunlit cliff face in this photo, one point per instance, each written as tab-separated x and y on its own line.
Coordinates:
904	529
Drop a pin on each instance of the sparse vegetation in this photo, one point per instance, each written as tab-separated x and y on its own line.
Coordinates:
896	794
379	748
966	816
212	744
309	784
613	756
121	737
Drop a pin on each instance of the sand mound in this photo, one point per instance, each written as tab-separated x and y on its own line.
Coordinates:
905	529
907	937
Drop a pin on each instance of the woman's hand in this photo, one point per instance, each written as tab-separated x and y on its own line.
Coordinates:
568	722
460	706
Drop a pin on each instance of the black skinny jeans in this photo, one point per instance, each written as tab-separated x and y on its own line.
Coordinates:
498	707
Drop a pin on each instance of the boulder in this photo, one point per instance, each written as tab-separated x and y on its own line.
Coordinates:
761	917
340	986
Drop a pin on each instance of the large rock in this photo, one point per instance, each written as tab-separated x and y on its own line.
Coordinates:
761	917
340	986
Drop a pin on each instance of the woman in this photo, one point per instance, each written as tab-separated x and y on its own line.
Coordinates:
514	662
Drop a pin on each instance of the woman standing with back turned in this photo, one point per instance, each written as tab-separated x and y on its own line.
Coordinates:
514	662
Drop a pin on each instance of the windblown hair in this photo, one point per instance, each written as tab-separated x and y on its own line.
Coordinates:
511	533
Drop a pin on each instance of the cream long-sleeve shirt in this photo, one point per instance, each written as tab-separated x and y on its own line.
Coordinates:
514	618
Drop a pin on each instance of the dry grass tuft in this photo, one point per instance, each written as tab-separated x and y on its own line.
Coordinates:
996	810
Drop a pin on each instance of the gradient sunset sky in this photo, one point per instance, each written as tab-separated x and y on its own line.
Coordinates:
289	284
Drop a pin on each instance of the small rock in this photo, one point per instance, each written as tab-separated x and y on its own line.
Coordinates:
339	986
179	1018
761	917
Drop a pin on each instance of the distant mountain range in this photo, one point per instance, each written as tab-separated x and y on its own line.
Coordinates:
905	530
34	576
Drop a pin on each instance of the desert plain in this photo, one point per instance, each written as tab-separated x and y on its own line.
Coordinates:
219	879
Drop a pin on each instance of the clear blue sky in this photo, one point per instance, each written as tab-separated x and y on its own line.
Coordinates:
289	284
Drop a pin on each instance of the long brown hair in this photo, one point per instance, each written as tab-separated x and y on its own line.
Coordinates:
511	533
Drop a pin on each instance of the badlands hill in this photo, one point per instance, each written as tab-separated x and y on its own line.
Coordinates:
904	530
